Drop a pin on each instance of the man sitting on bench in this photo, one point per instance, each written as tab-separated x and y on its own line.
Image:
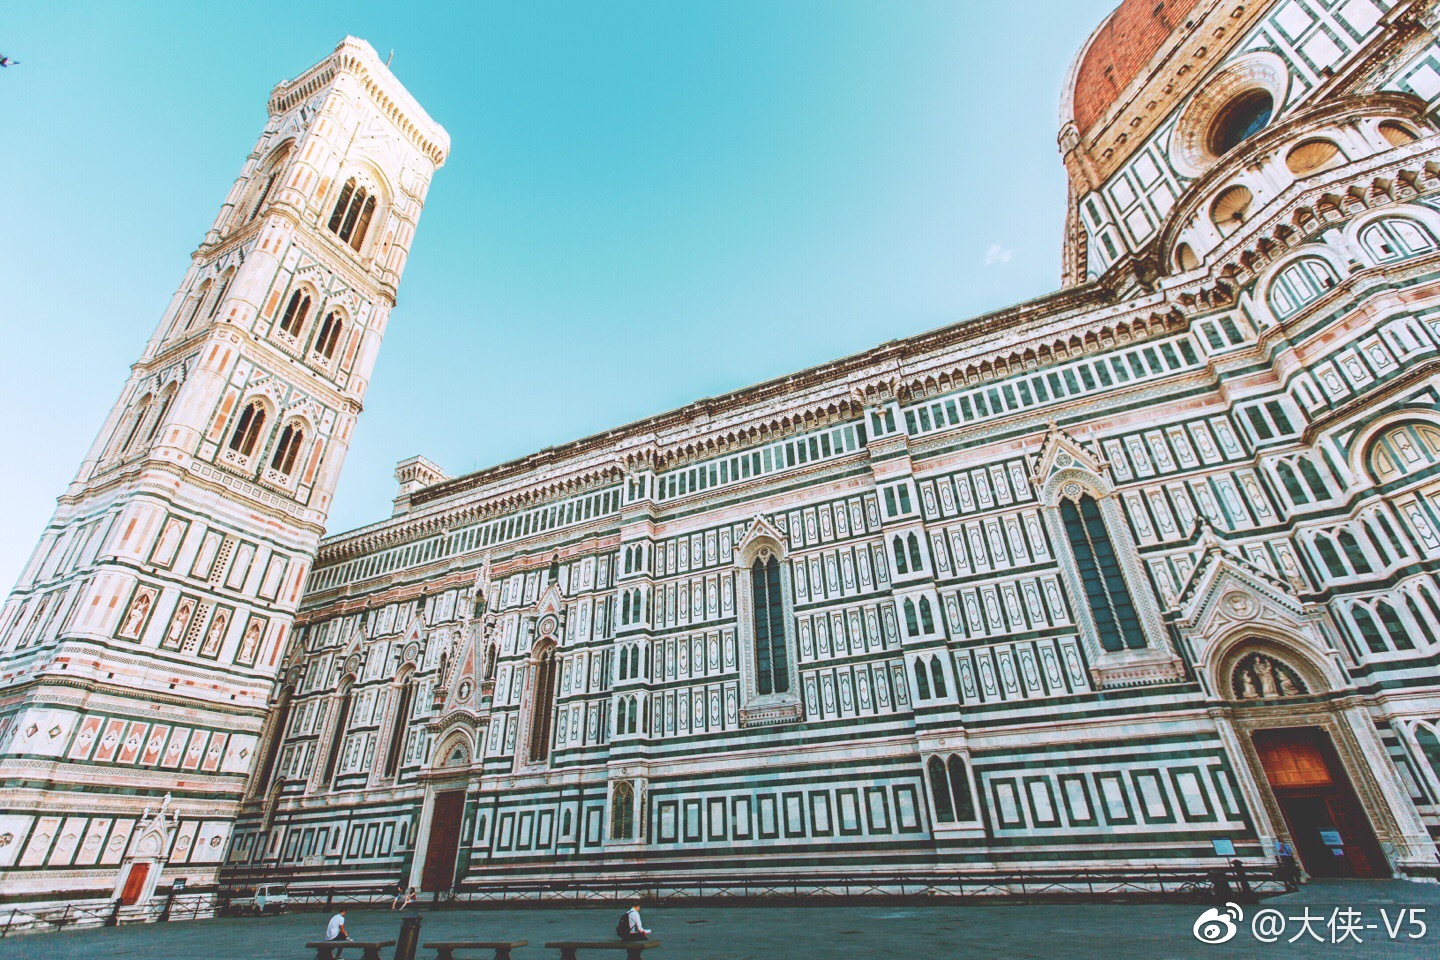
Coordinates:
336	930
629	928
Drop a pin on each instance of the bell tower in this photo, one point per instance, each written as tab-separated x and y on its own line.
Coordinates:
140	646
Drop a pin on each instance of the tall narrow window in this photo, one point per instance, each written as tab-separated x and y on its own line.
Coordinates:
329	338
912	626
1105	589
960	790
900	565
622	812
542	706
200	296
937	673
922	679
337	736
159	418
293	320
1353	553
940	791
351	217
141	412
399	725
247	429
915	563
291	439
277	737
927	619
772	668
220	294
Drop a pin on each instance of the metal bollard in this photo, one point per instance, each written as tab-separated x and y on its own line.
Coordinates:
409	937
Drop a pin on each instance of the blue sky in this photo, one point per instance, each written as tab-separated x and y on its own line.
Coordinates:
646	203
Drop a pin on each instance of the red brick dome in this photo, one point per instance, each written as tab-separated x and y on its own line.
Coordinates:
1118	50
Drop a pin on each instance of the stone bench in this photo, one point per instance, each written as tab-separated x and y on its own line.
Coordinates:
369	949
632	948
445	949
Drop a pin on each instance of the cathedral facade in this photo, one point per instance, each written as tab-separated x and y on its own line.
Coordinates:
1097	580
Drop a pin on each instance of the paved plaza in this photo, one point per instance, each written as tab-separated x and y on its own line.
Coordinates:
1011	931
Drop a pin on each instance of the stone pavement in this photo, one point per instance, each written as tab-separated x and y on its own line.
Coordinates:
1010	931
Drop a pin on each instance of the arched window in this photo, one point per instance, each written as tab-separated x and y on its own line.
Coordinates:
1429	746
1395	134
927	619
1185	258
142	410
165	400
281	718
542	705
353	210
293	320
1403	450
1329	557
200	296
634	714
1399	636
247	429
622	812
960	790
937	674
1420	621
1312	479
1358	561
1368	630
940	791
1378	542
1106	592
1292	486
337	734
266	180
1312	155
399	726
1395	238
220	294
1239	120
291	439
772	666
912	625
1302	282
1230	209
329	337
900	565
915	563
922	680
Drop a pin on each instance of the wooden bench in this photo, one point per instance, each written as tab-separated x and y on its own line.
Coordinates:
632	948
445	950
369	949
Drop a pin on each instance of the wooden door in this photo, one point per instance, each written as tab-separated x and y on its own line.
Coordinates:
1331	832
134	883
444	845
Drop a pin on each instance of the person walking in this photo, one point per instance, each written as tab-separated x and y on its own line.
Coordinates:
630	927
335	930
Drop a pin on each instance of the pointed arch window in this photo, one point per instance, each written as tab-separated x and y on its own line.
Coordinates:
937	675
1329	556
940	791
542	705
622	812
927	619
1286	473
293	320
1368	630
247	429
960	790
329	337
922	680
1393	626
291	439
1313	480
900	565
1106	592
772	667
200	296
914	547
165	400
352	214
277	737
225	282
912	625
337	735
399	726
141	412
1358	561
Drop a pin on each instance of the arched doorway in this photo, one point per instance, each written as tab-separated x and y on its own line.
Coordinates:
1300	747
1332	834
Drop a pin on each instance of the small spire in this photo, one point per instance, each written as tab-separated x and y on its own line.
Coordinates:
391	57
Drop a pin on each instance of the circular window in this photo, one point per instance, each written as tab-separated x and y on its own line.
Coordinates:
1312	155
1239	120
1396	135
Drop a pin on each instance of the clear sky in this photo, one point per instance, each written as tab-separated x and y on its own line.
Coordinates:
645	203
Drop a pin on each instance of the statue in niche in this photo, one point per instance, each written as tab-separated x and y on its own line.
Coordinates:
1259	676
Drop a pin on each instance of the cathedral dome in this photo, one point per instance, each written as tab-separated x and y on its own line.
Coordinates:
1117	51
